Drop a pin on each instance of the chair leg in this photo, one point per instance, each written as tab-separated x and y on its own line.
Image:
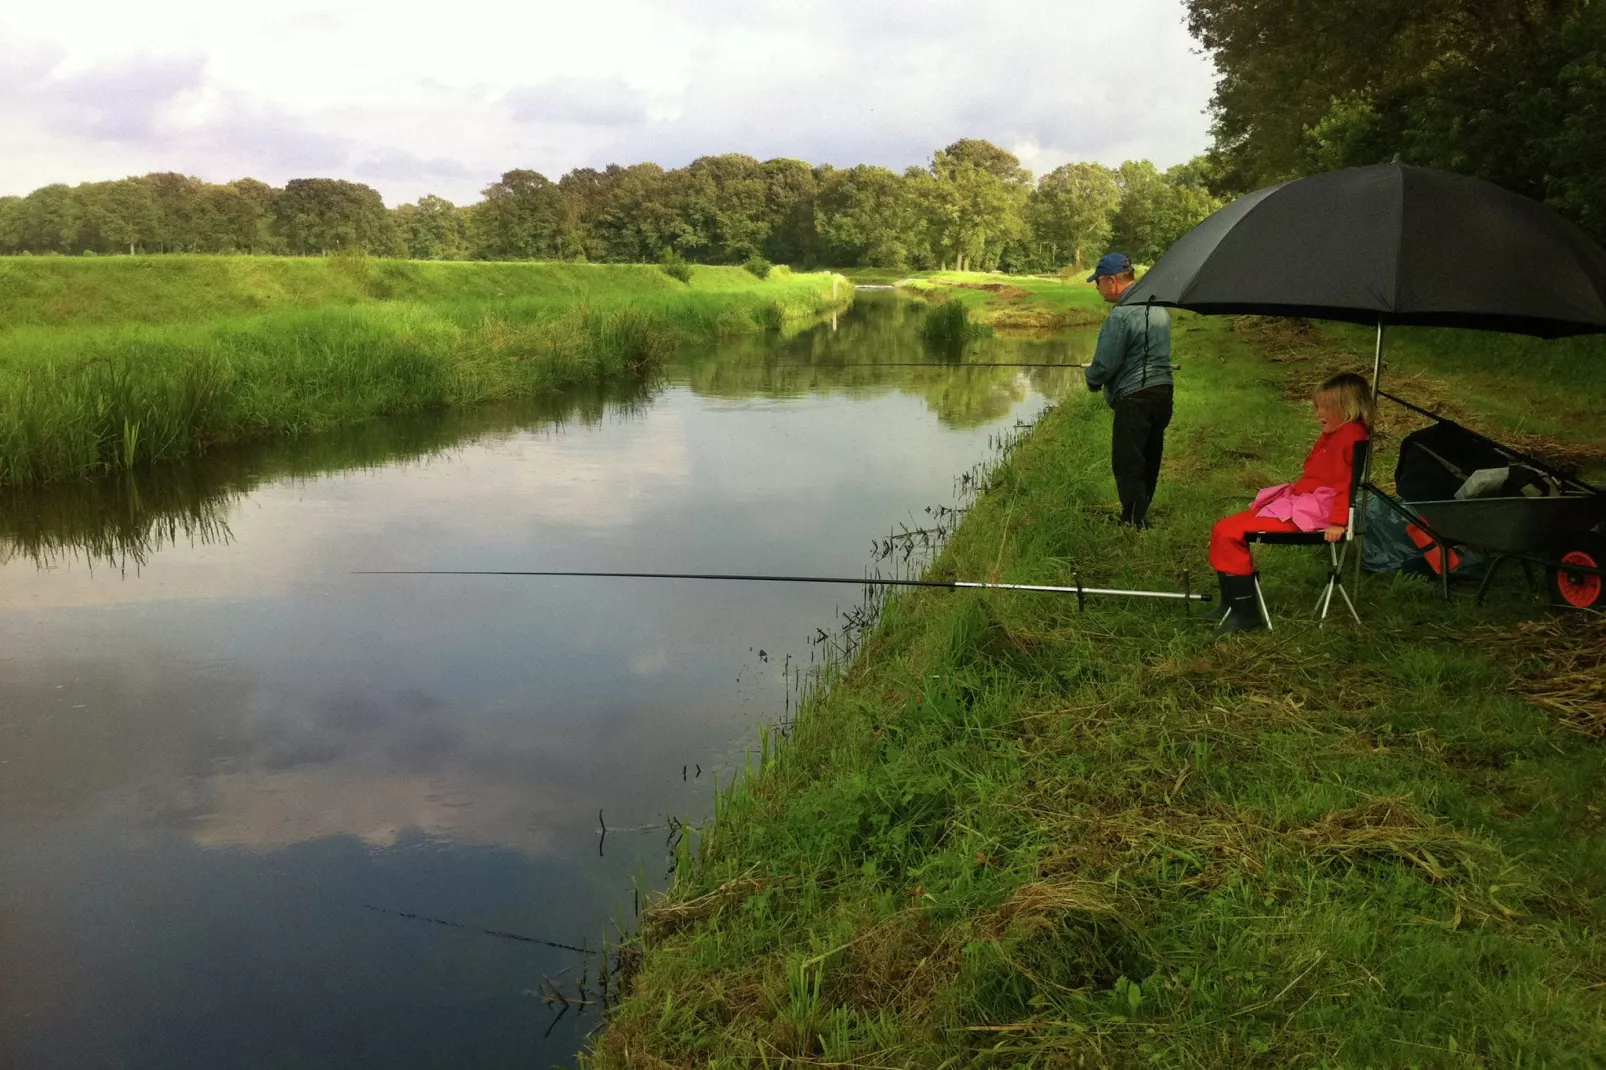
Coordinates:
1345	595
1260	600
1335	581
1335	575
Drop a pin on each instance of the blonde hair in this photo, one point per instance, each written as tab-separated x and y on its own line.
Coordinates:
1352	395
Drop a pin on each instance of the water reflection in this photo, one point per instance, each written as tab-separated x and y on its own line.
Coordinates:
868	353
120	521
216	757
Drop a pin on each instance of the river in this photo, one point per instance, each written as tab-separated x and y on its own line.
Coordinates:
259	810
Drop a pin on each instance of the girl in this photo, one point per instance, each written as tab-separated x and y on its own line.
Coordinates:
1319	501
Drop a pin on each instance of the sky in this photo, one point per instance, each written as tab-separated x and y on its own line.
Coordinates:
415	98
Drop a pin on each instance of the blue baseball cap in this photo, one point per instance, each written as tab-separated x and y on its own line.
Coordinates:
1111	264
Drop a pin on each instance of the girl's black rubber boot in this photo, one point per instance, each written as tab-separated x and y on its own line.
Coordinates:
1243	608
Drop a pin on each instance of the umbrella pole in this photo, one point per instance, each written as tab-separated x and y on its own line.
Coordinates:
1377	361
1360	526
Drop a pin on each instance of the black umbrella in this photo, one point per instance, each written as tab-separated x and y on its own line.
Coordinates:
1388	244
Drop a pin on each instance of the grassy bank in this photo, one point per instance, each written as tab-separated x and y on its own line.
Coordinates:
155	359
1016	835
1011	302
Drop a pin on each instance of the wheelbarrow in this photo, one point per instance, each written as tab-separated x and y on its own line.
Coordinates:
1531	512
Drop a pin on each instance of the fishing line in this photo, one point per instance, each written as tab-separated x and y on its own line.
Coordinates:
1076	589
967	364
499	933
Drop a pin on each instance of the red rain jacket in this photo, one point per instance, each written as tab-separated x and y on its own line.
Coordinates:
1331	464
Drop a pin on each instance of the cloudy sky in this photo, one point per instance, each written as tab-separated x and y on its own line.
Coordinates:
418	98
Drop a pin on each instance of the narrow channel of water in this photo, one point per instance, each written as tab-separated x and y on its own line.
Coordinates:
237	781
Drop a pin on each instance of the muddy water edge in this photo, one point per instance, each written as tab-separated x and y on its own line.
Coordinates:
258	810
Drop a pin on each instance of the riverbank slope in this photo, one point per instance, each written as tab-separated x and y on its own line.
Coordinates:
1012	302
118	362
1015	834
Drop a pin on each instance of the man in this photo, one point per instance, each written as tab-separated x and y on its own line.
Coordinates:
1132	365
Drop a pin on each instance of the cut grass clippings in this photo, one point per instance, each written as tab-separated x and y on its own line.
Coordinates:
1012	834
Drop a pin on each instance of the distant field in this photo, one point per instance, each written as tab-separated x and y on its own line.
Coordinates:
117	362
86	291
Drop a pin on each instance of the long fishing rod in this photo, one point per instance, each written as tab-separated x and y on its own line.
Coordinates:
1186	595
970	364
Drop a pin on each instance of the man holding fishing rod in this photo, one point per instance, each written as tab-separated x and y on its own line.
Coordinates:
1132	365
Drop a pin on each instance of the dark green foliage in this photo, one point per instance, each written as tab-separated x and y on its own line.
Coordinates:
1515	93
757	266
519	219
974	208
314	216
433	229
866	215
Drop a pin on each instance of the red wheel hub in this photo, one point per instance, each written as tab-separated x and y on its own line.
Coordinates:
1581	589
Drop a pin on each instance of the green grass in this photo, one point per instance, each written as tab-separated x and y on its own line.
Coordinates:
1011	834
1013	302
947	327
876	276
79	291
119	382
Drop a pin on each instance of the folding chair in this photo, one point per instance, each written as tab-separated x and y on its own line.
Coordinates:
1338	551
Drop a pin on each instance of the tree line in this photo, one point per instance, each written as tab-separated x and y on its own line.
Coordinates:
1513	92
973	206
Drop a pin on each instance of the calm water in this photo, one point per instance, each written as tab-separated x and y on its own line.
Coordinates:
229	767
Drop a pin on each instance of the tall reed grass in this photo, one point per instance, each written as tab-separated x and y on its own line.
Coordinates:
80	400
947	328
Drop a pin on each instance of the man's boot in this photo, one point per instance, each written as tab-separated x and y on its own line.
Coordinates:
1243	608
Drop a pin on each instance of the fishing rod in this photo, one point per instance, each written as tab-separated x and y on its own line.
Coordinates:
1186	595
971	364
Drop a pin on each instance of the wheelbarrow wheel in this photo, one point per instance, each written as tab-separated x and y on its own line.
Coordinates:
1580	590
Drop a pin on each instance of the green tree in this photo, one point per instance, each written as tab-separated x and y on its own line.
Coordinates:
719	208
1138	227
1156	209
120	216
790	190
184	222
634	221
519	219
975	202
11	210
1511	92
586	194
315	216
433	229
865	215
1071	212
47	220
242	216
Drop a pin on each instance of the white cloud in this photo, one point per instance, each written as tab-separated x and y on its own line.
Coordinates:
415	99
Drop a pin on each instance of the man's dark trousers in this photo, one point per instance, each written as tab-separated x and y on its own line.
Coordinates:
1136	445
